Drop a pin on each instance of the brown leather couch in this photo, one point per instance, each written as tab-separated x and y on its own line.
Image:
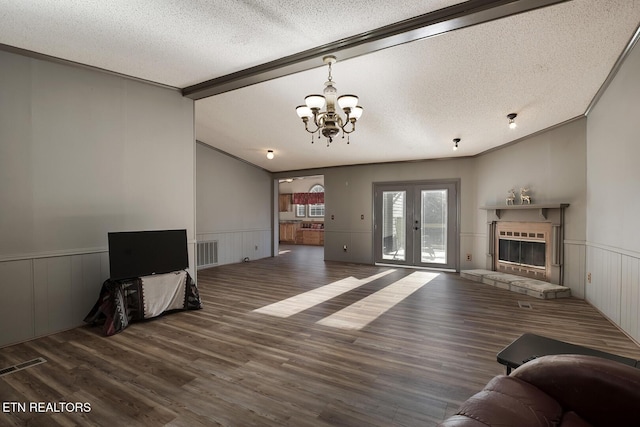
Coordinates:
563	390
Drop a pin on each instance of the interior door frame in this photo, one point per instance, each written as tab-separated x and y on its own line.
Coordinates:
378	187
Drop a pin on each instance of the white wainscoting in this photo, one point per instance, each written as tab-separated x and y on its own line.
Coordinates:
614	288
16	304
630	296
604	289
45	295
236	245
48	293
575	267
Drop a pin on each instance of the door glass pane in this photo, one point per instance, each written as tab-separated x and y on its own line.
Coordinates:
433	226
394	225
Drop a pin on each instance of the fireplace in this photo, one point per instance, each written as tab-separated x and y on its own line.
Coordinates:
526	240
523	248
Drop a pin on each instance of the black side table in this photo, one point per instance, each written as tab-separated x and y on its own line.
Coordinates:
530	346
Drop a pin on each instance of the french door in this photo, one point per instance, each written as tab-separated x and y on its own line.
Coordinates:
416	224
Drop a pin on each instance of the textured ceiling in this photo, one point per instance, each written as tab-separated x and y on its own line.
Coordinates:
546	65
183	42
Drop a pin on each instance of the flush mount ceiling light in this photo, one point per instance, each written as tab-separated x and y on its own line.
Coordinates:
270	154
512	120
329	123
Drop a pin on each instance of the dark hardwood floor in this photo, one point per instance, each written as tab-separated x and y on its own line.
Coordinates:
229	365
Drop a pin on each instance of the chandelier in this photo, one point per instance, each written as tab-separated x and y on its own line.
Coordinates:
329	123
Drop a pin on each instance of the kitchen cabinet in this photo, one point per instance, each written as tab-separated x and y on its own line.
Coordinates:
284	202
288	232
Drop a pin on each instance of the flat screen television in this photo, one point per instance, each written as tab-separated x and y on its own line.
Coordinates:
142	253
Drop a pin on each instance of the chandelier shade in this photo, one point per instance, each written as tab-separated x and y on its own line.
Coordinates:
356	112
347	101
315	101
329	122
303	111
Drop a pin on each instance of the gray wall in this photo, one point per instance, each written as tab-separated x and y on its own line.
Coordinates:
233	206
590	163
349	194
613	206
82	153
552	165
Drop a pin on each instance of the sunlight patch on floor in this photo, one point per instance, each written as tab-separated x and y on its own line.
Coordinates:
361	313
296	304
286	251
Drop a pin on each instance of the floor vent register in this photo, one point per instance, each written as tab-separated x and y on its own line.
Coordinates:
21	366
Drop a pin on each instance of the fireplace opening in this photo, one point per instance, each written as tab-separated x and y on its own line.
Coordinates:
522	252
523	248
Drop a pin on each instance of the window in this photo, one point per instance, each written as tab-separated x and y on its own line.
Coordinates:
301	211
316	211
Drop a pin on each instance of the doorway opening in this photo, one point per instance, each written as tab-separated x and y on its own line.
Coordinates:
301	211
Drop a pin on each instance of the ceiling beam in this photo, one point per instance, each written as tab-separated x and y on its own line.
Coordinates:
472	12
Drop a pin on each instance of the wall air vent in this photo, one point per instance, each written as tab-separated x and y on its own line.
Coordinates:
207	254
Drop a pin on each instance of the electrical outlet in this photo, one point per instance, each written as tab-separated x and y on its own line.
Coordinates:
589	277
468	257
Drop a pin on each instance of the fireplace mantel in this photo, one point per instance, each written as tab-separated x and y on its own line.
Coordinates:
543	208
